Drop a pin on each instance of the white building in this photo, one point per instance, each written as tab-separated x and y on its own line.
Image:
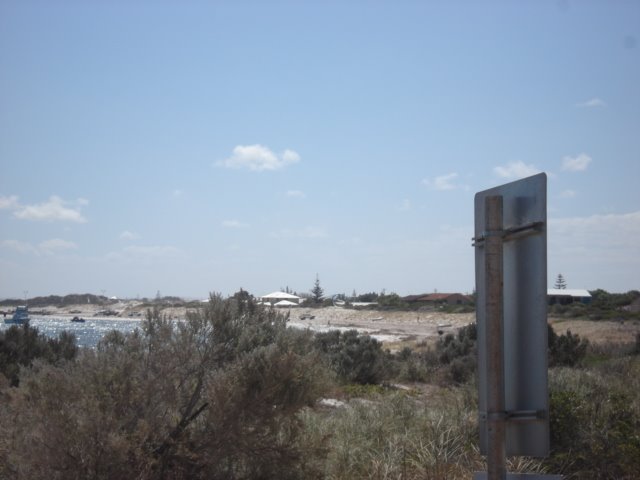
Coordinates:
564	296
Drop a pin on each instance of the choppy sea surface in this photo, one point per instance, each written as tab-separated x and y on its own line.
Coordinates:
88	334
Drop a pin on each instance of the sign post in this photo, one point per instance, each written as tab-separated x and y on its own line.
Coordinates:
496	456
511	312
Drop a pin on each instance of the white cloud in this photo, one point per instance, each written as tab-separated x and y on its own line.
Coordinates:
442	182
8	202
258	158
127	235
592	103
55	209
234	224
600	249
295	193
21	247
516	170
568	194
56	244
47	247
576	164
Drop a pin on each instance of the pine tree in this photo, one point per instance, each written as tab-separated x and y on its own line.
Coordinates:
317	292
561	284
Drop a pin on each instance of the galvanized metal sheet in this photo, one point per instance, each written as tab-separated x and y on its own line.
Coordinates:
525	315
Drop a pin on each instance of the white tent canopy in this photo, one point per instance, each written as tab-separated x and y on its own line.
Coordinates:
280	296
285	303
276	298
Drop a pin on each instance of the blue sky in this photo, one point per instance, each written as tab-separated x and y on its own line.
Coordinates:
196	147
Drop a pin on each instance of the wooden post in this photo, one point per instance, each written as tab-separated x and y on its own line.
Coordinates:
496	415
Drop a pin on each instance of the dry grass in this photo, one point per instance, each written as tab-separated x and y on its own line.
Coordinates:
429	435
598	331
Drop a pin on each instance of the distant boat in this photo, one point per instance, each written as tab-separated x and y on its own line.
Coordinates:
77	320
20	316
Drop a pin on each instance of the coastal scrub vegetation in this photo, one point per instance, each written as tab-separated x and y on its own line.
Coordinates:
216	396
21	345
603	306
232	393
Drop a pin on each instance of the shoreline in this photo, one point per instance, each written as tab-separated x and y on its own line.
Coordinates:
393	328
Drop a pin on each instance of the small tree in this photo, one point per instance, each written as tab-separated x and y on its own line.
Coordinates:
317	292
561	283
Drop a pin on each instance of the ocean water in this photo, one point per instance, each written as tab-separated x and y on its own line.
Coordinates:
88	334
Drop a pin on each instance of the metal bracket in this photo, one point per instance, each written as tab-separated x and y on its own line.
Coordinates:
515	415
508	234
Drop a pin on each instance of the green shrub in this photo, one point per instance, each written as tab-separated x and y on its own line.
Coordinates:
413	370
355	358
566	350
453	346
595	421
459	354
21	345
462	369
391	301
409	365
594	438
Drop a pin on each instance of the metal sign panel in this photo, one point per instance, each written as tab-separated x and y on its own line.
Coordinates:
524	311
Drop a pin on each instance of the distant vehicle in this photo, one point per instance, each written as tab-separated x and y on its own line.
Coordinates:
337	301
77	320
307	316
19	317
